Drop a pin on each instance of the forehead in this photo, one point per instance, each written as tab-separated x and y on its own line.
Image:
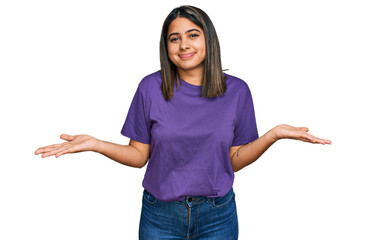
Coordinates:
181	25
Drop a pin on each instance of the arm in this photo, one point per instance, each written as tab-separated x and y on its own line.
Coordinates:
135	154
242	156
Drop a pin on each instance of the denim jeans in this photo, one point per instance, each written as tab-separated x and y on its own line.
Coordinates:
201	218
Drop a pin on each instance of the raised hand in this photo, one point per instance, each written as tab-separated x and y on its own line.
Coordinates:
298	133
77	143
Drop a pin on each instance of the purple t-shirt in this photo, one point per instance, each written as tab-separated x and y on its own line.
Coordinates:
190	136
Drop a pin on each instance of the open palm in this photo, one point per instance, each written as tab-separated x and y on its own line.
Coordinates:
77	143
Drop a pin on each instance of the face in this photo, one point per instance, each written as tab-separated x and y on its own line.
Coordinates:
186	45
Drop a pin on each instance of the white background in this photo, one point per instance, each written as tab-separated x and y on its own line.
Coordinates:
73	67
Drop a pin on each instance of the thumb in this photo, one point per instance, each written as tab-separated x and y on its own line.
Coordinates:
67	137
304	129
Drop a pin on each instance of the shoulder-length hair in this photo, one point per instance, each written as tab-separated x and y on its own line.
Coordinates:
213	79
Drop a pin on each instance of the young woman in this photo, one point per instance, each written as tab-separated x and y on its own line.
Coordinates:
196	126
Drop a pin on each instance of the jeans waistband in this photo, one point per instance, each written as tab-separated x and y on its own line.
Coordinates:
193	200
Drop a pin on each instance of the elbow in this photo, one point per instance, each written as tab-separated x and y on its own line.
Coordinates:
234	165
142	161
141	164
237	166
141	153
236	169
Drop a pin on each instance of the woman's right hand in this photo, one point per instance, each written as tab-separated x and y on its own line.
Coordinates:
77	143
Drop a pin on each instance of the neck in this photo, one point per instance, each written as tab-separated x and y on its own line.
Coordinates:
193	76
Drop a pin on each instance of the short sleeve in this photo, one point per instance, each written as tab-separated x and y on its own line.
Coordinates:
246	127
137	125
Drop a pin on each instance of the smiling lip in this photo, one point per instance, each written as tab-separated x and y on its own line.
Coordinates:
186	56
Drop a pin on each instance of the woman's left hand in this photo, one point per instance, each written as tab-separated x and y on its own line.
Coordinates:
298	133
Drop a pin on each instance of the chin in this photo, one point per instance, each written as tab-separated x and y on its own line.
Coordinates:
187	67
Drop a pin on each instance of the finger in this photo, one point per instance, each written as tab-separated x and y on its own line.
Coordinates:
65	151
322	141
48	148
52	146
304	129
307	137
312	139
42	150
70	148
67	137
51	152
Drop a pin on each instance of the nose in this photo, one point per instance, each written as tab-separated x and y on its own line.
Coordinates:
184	44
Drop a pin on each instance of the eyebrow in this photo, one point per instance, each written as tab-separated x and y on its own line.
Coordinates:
190	30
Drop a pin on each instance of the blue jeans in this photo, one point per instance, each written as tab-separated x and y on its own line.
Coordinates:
194	218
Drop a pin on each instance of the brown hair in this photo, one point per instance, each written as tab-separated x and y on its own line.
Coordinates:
213	79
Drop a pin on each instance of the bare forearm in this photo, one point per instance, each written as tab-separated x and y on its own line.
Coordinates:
249	153
124	154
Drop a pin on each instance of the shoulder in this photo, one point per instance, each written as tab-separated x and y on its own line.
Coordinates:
149	82
236	84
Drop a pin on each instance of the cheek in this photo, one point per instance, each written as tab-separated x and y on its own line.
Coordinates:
202	54
201	46
171	51
204	46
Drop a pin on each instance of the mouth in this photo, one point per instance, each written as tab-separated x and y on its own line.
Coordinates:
186	56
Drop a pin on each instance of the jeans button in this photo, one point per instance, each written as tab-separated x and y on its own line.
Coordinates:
189	199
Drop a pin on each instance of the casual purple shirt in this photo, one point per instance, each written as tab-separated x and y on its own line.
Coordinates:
190	136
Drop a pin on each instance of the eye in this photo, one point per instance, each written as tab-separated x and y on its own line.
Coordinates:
194	35
174	39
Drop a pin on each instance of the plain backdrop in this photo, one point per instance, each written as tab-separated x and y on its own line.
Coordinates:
74	66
